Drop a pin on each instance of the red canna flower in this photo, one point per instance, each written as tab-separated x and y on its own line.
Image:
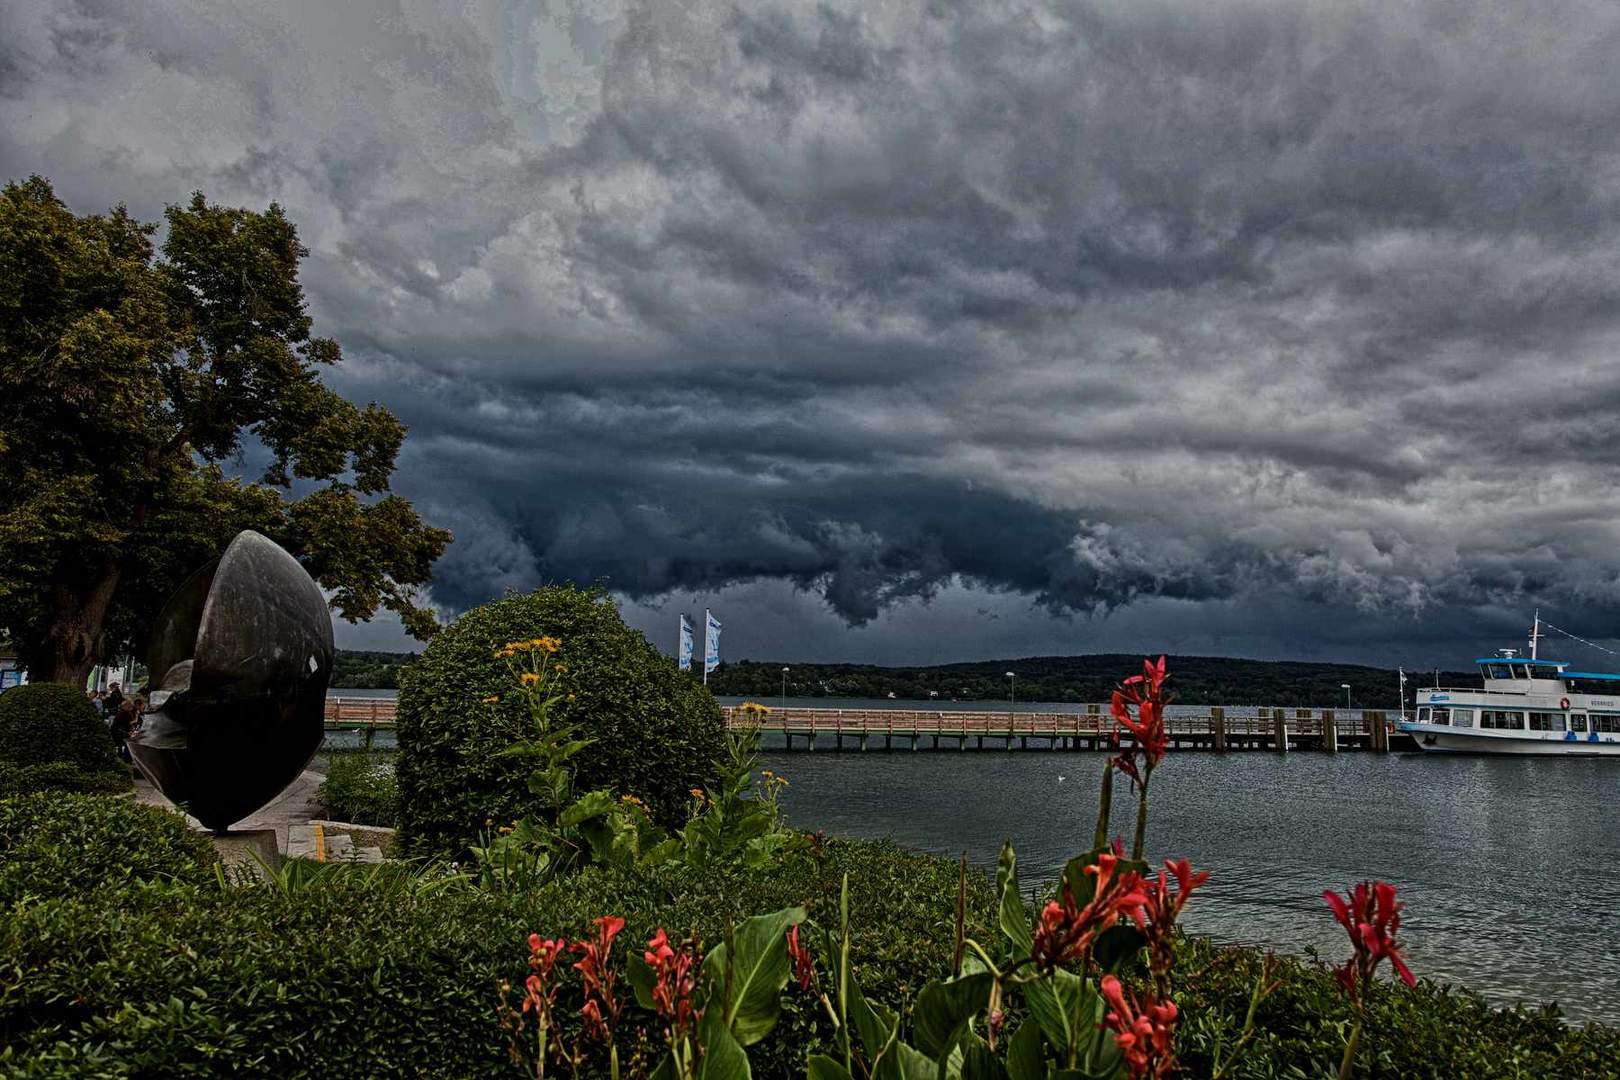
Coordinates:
1144	692
676	978
601	1009
1371	916
541	989
804	968
1143	1030
1164	908
1065	930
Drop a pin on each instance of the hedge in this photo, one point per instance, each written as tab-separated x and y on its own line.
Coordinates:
657	733
365	974
362	975
57	844
52	724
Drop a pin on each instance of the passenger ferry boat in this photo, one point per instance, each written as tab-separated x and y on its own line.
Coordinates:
1526	706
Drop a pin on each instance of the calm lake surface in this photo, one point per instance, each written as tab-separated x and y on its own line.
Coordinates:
1509	868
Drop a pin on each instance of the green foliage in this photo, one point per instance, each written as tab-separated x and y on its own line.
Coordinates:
361	670
360	788
361	975
731	820
59	845
127	378
53	738
654	733
60	776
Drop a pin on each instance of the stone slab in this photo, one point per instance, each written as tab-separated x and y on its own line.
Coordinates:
251	848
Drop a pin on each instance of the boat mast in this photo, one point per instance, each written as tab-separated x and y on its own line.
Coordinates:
1535	634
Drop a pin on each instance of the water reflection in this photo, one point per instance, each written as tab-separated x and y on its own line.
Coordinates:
1509	867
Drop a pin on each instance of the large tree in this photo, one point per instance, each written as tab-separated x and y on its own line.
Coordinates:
134	386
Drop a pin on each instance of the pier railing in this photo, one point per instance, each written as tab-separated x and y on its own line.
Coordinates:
1091	729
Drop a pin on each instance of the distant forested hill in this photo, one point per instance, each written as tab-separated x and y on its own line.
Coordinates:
354	670
1197	680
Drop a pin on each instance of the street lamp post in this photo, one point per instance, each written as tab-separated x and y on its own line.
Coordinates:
1012	683
784	687
1346	688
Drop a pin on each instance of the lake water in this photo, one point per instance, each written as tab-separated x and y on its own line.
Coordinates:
1509	868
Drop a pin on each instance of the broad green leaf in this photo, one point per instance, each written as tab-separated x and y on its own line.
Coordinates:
943	1011
1117	946
822	1067
1056	1003
758	973
723	1057
641	977
1013	917
1026	1057
980	1063
591	804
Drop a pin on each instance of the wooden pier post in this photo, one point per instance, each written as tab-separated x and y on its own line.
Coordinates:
1330	732
1217	722
1279	731
1380	734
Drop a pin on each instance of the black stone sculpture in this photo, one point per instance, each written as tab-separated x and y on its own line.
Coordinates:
240	659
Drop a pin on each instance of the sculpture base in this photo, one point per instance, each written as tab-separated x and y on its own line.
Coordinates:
254	849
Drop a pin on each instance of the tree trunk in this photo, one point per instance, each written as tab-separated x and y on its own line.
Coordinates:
76	642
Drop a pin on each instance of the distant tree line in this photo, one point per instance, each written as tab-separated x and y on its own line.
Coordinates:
357	670
1197	680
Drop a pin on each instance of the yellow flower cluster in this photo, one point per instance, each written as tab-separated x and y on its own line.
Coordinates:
773	780
493	699
529	678
754	708
540	644
633	801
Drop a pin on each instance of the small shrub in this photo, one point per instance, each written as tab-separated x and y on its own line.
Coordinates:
59	776
656	733
361	789
49	724
61	844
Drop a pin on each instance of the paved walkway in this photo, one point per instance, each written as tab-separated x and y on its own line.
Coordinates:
295	806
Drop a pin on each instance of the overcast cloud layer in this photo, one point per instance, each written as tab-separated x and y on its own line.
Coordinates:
1268	328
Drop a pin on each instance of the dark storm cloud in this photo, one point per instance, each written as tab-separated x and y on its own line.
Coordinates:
1299	309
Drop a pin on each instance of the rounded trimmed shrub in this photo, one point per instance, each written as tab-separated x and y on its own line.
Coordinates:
53	724
656	732
62	844
59	776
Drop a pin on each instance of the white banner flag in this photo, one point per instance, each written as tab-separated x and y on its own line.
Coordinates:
711	643
684	654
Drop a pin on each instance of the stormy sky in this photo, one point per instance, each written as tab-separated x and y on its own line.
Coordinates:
925	331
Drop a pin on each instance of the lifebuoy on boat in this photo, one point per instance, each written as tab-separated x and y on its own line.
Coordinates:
1563	703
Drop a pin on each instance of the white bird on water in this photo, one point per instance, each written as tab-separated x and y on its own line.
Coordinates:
1060	778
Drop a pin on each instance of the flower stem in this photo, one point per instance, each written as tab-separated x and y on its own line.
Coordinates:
1105	804
1350	1048
1141	816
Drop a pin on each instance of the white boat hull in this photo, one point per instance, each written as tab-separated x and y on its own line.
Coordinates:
1437	738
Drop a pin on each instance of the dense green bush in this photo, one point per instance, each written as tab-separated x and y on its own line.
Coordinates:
365	976
59	776
53	724
361	789
360	974
61	844
656	732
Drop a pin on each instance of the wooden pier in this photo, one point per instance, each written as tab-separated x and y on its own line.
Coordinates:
1276	730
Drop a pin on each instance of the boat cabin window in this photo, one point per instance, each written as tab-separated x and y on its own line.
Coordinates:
1546	721
1520	671
1441	716
1496	671
1462	717
1495	718
1577	721
1606	723
1543	671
